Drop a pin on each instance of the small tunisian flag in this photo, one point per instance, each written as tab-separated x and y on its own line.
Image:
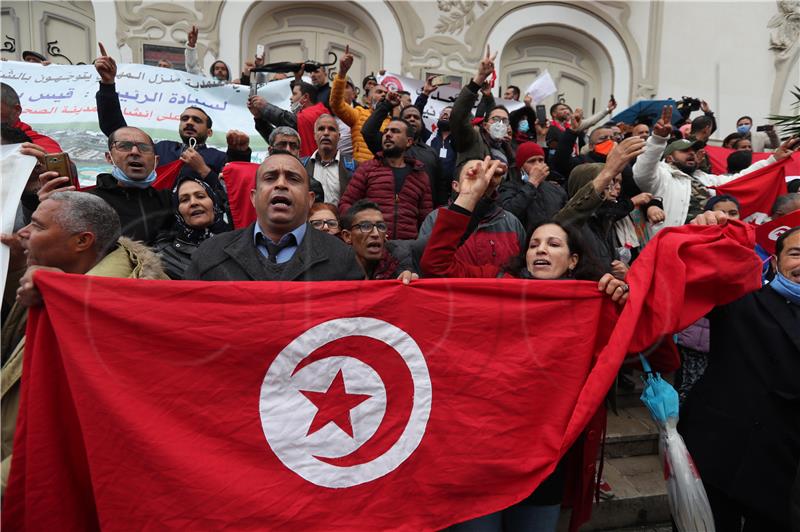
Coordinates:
718	157
240	179
767	234
166	174
336	406
758	190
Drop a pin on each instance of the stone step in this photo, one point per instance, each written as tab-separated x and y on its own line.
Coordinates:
640	495
631	432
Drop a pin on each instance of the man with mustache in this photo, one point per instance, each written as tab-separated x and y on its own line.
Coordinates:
200	161
279	245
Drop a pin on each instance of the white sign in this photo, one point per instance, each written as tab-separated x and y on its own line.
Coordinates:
15	169
542	87
442	97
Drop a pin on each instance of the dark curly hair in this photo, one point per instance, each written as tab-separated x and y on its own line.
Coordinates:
588	268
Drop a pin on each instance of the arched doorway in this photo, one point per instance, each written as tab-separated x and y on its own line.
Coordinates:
585	56
565	54
300	31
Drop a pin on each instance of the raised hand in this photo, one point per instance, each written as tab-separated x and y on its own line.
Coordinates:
612	104
345	62
655	214
576	119
485	67
191	41
475	181
528	100
623	153
105	66
787	148
663	127
256	105
393	98
429	87
237	140
704	106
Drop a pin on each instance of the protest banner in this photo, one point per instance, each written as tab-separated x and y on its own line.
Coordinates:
59	101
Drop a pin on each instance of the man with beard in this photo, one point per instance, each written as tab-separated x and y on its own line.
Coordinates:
419	150
676	179
200	161
396	182
279	245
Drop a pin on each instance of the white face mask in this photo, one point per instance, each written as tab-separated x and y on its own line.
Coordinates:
295	107
498	130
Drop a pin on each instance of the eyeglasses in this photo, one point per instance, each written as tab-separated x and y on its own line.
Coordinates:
126	146
366	227
317	224
494	119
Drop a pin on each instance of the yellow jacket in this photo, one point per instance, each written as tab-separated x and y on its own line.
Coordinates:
353	117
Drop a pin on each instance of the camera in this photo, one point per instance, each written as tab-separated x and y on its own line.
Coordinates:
688	105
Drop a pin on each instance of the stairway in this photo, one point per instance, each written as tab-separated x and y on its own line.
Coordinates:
633	470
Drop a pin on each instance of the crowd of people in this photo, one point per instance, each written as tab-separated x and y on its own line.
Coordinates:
356	189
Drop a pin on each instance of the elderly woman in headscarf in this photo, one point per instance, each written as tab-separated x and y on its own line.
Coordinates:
198	216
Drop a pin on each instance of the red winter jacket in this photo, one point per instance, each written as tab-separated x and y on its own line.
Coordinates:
403	212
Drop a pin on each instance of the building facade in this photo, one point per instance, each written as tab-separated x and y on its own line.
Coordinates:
742	57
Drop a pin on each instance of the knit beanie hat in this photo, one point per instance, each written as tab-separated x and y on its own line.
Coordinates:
525	151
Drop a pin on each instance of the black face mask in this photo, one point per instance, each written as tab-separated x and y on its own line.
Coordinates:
443	125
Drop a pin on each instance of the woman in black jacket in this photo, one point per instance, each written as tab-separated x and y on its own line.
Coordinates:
198	216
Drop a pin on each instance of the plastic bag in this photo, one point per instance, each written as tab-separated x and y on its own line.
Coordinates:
688	501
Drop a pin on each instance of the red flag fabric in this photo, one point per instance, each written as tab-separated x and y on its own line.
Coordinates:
758	190
718	157
166	174
240	179
768	233
339	405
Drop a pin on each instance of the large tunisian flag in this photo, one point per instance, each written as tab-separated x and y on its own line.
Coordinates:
336	406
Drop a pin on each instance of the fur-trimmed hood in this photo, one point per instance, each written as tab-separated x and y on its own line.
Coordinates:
131	259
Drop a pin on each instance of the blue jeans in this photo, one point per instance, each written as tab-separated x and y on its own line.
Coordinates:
520	517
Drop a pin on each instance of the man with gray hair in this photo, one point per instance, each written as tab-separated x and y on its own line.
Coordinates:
70	232
785	204
327	164
287	139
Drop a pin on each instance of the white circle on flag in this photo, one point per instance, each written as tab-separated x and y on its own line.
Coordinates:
286	413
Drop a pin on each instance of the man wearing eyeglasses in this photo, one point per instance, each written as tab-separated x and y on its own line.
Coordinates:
365	230
279	245
194	128
143	211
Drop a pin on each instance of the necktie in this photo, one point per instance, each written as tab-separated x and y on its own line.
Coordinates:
273	249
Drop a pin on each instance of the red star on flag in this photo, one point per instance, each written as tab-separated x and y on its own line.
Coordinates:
334	405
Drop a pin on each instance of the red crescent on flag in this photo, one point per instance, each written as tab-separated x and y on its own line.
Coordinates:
397	380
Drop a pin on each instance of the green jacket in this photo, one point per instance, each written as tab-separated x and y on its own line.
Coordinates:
132	260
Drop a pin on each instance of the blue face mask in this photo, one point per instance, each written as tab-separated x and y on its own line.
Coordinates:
744	129
524	176
523	126
121	177
786	288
